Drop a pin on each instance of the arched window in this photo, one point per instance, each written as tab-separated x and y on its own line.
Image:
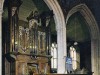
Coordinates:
74	58
54	56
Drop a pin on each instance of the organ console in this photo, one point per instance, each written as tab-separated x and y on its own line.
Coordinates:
30	42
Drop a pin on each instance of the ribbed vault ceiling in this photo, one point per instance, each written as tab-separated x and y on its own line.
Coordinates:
77	28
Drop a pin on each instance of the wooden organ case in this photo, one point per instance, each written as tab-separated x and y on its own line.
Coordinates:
30	45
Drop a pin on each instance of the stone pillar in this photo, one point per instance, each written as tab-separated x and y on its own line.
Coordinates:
94	56
61	33
61	41
99	56
1	40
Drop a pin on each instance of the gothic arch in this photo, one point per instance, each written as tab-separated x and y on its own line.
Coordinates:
61	33
94	31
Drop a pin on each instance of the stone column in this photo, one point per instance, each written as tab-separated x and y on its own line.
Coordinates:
1	40
61	41
94	56
99	56
61	33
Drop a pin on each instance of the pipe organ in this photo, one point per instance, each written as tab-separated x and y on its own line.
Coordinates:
29	43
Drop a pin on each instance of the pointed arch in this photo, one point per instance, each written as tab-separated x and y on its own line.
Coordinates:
94	31
61	33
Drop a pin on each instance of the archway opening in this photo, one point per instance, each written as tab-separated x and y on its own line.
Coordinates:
78	44
94	31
